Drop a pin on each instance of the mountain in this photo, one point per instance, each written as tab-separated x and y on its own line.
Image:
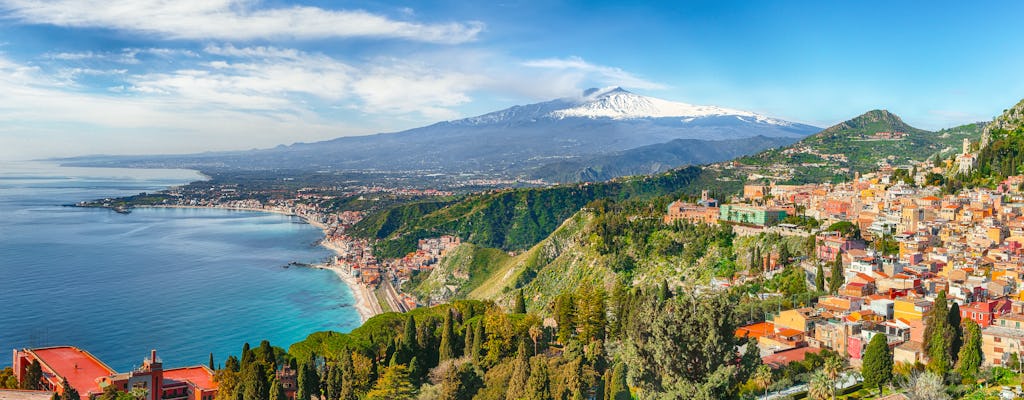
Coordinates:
861	144
599	122
654	158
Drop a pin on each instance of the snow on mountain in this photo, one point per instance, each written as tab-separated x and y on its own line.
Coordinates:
618	103
614	103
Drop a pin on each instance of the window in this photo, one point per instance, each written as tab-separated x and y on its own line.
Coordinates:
998	339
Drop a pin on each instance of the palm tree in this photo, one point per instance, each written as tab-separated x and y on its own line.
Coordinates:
821	387
833	368
763	378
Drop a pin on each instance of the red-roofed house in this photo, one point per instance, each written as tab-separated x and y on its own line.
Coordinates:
984	312
90	376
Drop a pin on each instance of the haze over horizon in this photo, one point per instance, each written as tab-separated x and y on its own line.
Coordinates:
147	77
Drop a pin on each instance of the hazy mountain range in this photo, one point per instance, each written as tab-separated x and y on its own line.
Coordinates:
563	139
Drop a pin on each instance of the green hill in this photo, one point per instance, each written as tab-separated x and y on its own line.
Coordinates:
1003	154
861	145
513	219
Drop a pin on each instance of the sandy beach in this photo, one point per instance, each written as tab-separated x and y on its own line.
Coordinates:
366	302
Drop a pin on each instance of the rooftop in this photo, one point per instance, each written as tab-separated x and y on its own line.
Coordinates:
76	365
18	394
199	376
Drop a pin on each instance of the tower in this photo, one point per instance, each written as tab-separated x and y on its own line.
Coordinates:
967	146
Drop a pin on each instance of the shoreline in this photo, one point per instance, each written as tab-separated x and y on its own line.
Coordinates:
365	301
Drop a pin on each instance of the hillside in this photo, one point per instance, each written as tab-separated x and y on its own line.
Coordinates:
516	219
654	158
861	144
1002	154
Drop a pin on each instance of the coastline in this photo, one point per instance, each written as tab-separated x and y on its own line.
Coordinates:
365	301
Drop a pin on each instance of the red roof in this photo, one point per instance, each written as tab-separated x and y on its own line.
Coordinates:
200	376
783	358
755	330
79	367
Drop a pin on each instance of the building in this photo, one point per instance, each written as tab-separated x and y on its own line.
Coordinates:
752	215
692	213
90	376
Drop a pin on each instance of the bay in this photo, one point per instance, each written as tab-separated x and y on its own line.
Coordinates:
186	282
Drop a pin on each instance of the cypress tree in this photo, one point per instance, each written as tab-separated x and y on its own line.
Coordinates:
538	386
70	393
33	376
520	306
956	329
247	355
938	337
254	384
819	278
348	378
232	364
970	353
267	355
417	371
211	362
520	373
478	342
308	382
447	350
467	344
619	389
878	363
836	278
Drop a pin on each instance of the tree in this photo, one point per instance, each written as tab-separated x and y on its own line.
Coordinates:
970	354
877	367
618	389
836	277
394	384
833	368
254	382
538	386
447	350
520	373
565	316
247	355
520	304
763	378
267	356
33	376
956	330
821	387
69	393
686	347
819	278
210	364
308	381
925	386
938	337
461	383
478	342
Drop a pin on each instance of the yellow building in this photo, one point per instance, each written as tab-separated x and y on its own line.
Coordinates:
801	319
911	309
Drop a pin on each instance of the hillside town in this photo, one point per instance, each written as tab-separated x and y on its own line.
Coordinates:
909	244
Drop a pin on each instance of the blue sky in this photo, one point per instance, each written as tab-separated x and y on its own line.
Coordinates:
158	76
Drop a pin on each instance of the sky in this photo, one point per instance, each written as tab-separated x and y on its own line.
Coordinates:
180	76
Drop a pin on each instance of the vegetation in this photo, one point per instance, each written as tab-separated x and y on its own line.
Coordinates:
509	219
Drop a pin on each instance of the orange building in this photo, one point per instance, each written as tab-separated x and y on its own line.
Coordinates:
90	376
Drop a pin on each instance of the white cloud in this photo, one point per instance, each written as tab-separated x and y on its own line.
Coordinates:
230	20
581	70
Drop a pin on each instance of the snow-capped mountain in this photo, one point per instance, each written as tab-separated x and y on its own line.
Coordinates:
519	138
616	103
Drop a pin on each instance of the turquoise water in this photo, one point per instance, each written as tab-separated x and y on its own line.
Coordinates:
186	282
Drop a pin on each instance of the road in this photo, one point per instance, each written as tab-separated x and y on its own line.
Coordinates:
391	295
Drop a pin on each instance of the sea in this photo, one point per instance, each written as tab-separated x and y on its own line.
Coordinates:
186	282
